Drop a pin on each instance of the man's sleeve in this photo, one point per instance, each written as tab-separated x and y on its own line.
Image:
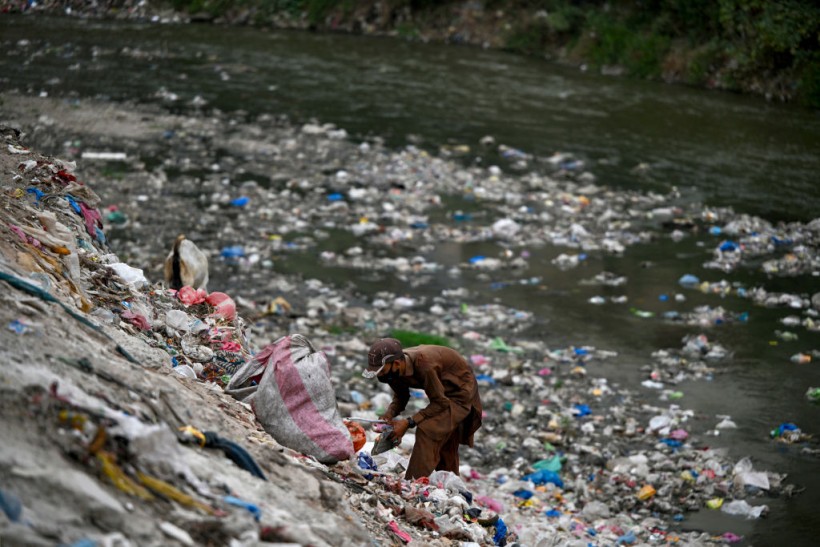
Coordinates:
435	392
401	394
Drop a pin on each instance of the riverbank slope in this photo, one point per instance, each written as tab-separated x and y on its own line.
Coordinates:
98	383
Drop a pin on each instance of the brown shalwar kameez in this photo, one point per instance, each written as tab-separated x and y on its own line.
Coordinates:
454	412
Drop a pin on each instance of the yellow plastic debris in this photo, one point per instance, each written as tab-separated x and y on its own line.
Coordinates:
190	432
164	489
687	476
714	503
646	492
119	478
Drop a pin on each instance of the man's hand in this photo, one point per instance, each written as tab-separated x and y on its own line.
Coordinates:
399	429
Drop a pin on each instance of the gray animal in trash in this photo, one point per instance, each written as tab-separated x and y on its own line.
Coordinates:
185	265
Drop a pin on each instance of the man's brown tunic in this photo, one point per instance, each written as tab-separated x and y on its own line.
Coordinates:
454	412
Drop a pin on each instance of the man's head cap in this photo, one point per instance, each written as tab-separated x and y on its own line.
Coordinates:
382	351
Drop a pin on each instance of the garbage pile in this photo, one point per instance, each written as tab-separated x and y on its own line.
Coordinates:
563	456
787	249
116	431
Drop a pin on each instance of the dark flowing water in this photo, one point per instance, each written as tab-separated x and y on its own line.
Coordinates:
760	158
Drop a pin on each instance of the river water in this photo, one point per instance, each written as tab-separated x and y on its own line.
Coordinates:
762	159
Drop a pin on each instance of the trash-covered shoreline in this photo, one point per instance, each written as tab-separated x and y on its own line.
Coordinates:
563	457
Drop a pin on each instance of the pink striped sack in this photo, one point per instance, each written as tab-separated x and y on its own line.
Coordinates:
295	401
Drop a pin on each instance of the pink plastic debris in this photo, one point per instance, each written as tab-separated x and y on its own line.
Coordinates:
679	435
190	296
479	360
231	346
404	536
545	372
136	319
93	219
729	537
489	503
20	233
224	304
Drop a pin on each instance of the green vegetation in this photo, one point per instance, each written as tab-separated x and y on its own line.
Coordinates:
410	338
733	44
764	46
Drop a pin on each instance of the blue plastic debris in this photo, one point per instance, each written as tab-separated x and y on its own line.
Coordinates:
11	505
782	428
477	259
240	201
544	476
500	532
366	462
523	494
689	280
728	246
513	153
627	539
483	378
253	509
715	230
581	410
18	327
38	194
672	443
335	197
234	251
553	513
357	397
73	203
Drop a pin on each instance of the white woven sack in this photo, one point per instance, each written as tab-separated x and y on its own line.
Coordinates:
295	401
